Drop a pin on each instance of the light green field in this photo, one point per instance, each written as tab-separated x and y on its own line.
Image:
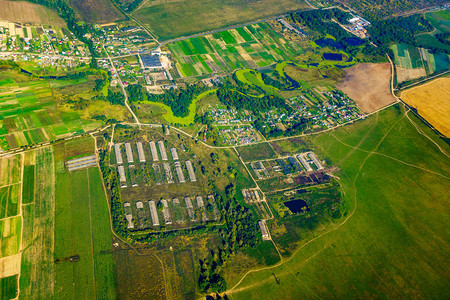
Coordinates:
393	241
173	19
10	239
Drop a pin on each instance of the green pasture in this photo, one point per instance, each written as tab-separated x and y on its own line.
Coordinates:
251	46
392	240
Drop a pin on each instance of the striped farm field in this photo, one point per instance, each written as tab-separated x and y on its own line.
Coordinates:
251	46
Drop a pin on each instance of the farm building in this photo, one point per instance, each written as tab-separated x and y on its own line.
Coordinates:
140	152
129	153
201	206
191	171
190	208
264	231
118	154
166	212
122	178
168	171
162	150
154	152
81	163
313	157
150	62
153	212
304	162
128	215
179	172
173	150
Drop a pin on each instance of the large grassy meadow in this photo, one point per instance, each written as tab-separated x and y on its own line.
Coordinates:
393	240
173	19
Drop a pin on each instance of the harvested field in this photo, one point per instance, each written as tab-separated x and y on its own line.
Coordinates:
404	74
368	85
22	11
431	102
97	11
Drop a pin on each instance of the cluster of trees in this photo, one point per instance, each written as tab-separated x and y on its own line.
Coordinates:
399	30
177	99
112	183
132	6
231	97
240	232
320	20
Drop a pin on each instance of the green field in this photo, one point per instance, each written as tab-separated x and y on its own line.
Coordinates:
8	287
81	228
34	110
10	239
407	56
173	19
393	240
440	20
251	46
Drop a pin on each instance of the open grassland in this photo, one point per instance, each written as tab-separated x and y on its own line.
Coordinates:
432	102
394	240
82	228
251	46
37	271
26	12
169	19
139	276
368	85
97	11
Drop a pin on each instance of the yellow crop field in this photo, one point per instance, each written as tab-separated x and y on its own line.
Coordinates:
432	102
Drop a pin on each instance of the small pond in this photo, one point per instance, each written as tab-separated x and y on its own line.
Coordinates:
295	206
332	56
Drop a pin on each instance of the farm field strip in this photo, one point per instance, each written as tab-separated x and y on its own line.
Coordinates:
82	231
37	270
